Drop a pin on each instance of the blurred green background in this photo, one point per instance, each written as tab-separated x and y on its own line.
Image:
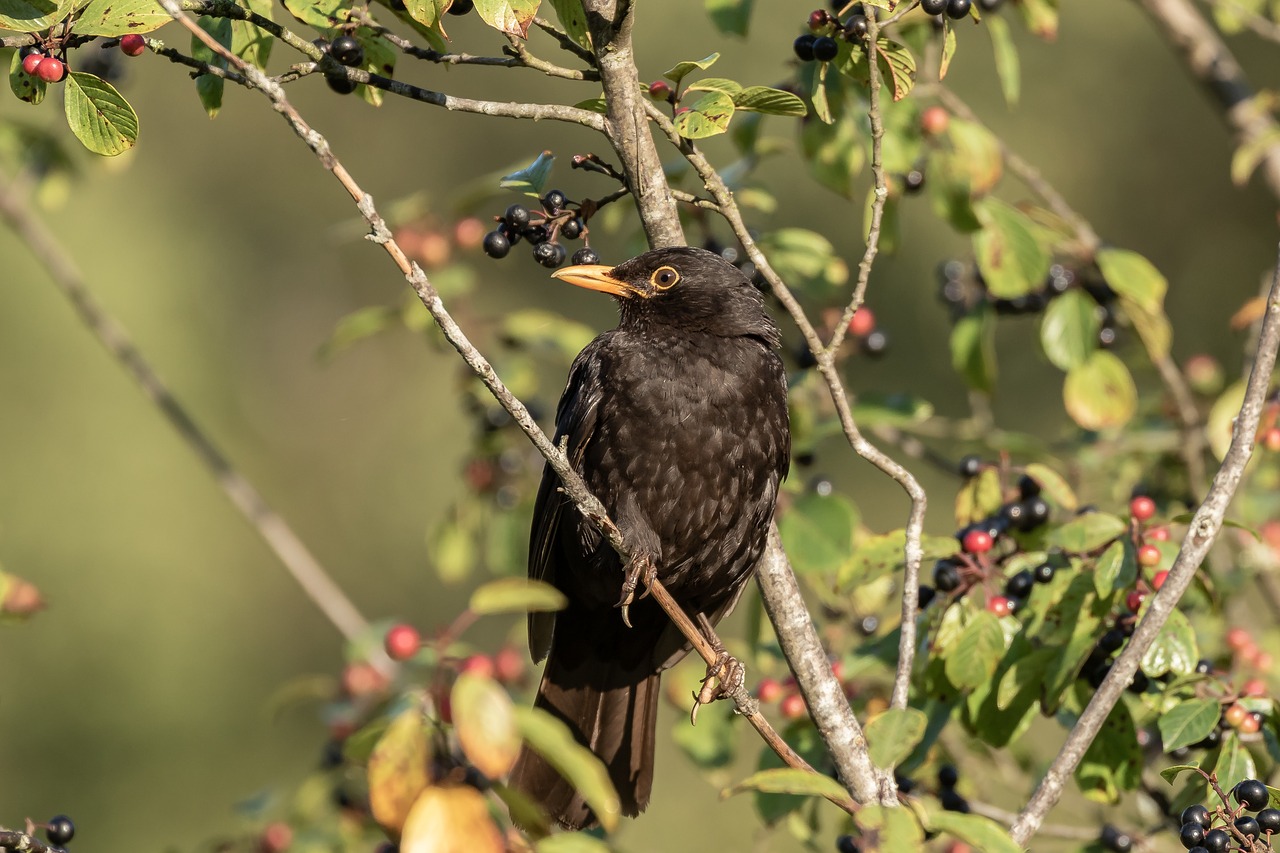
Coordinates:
138	703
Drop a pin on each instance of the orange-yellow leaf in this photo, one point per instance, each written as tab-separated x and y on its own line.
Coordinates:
484	721
398	771
450	820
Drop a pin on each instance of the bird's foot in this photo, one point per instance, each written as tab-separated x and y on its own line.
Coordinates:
640	569
724	677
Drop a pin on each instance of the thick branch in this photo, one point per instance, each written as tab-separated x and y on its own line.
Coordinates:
25	842
1201	534
610	22
274	530
1210	62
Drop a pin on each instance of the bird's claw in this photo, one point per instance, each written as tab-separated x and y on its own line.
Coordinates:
724	677
639	569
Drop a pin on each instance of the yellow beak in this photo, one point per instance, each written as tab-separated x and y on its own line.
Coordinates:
596	277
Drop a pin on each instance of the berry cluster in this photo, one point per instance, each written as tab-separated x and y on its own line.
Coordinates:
1199	834
954	9
824	28
557	218
346	50
786	693
36	62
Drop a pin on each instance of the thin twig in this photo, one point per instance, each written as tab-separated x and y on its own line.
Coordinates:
1200	537
274	530
1050	830
566	44
574	487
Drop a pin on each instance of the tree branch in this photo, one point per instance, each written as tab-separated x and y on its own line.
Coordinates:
1200	537
1209	61
274	530
24	842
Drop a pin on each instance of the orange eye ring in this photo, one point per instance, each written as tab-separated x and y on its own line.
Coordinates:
664	278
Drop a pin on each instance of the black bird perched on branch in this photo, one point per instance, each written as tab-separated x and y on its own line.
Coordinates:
677	421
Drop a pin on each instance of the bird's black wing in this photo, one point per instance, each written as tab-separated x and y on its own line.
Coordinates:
576	418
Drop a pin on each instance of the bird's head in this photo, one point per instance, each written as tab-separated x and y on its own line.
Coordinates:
681	287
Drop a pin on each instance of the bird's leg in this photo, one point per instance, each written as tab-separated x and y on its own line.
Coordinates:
641	568
725	676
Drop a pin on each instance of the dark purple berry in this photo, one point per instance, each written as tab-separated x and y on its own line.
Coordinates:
953	802
1043	572
496	244
517	215
537	233
803	46
1019	586
925	596
825	49
1216	841
946	576
1111	641
868	625
875	343
819	19
347	51
1251	794
461	7
1204	666
948	776
60	830
550	255
855	29
1269	820
990	5
933	7
1036	513
1246	825
554	201
957	9
340	83
586	256
572	229
847	844
970	466
914	181
1191	835
1111	838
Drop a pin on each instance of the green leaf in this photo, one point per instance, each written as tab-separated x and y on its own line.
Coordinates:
248	41
485	724
1222	418
1008	250
1170	774
973	349
1175	649
709	744
1006	54
894	734
532	179
1188	722
1053	485
570	842
896	409
573	20
877	556
708	116
805	259
1116	569
208	86
979	498
24	86
118	17
788	780
1152	326
817	532
1087	532
680	70
731	17
512	17
552	739
1069	331
948	48
30	16
1247	157
398	768
426	12
516	595
357	326
379	58
977	653
716	84
1131	275
544	331
897	63
834	152
99	116
1041	17
320	14
1100	393
977	155
979	832
887	830
762	99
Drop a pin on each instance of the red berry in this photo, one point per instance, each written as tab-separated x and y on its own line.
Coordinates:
659	90
362	679
999	605
30	62
1157	534
1142	508
1235	715
1148	556
132	44
51	69
1134	600
1254	687
1249	725
862	323
402	642
277	836
479	665
508	664
977	542
793	707
1271	439
769	690
1159	579
1263	660
818	19
934	121
1238	638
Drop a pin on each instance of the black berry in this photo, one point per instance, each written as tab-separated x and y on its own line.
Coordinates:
953	802
30	50
347	51
461	7
537	233
1246	825
1111	838
1216	841
550	255
846	844
341	84
1035	513
875	343
1204	667
1197	814
572	229
1019	586
60	830
517	215
868	625
1191	835
855	29
958	9
1111	640
914	181
933	7
1251	794
948	776
925	596
585	256
554	201
1269	820
803	47
970	466
990	5
1043	573
825	49
946	576
496	244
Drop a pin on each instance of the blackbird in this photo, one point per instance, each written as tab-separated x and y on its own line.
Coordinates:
677	421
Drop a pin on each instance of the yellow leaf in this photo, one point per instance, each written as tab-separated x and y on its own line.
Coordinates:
398	770
484	720
450	820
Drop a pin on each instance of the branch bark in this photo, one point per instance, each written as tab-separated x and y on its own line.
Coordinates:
1201	534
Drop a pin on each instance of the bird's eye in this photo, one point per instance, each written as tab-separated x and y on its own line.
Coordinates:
664	277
